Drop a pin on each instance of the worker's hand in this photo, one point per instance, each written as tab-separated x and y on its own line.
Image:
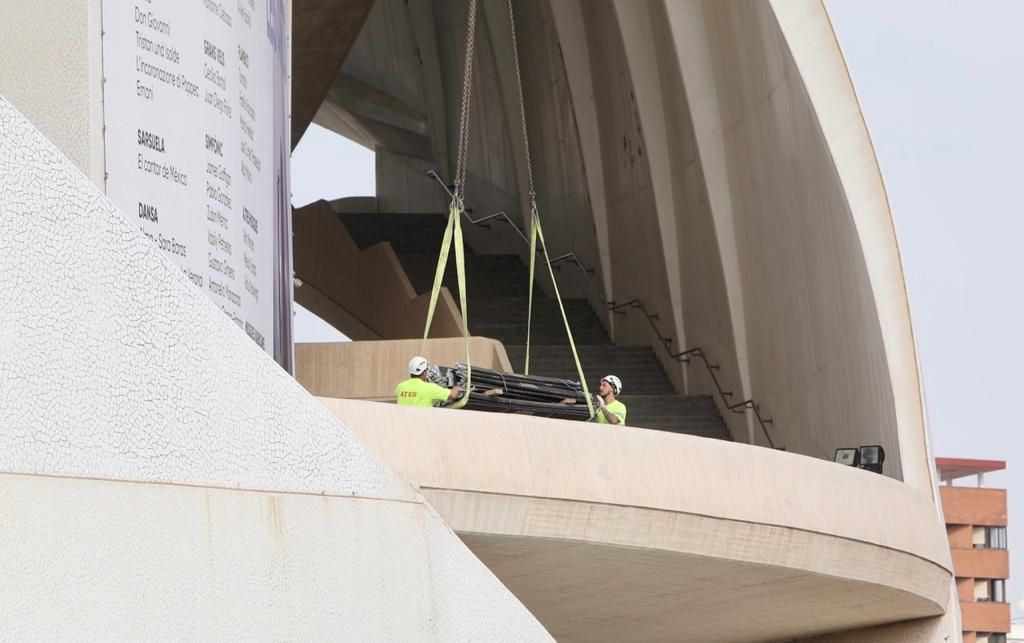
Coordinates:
600	402
455	394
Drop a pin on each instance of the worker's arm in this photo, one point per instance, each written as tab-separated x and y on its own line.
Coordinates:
602	409
608	415
444	395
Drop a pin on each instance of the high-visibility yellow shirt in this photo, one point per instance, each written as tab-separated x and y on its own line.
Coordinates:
616	408
417	392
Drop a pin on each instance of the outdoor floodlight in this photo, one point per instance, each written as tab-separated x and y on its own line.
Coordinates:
850	457
871	457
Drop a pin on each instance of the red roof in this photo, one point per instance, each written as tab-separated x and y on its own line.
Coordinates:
953	468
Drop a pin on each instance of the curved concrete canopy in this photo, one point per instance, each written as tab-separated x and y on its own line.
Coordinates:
633	534
707	157
323	34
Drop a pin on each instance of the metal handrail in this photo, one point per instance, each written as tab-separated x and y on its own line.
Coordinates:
739	407
482	221
621	309
450	189
698	352
587	272
501	214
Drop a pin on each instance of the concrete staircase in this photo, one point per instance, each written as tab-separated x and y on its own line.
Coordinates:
497	301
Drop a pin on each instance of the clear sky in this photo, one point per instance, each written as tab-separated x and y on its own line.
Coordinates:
941	84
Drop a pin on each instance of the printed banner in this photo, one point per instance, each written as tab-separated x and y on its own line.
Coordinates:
197	147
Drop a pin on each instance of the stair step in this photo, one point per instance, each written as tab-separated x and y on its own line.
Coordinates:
427	262
543	309
592	351
540	300
628	376
549	341
498	289
556	327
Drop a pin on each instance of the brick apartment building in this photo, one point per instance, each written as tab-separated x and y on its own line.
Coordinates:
976	525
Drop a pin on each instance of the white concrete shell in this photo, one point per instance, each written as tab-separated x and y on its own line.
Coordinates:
708	158
162	478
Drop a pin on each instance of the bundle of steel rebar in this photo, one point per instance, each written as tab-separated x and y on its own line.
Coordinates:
499	392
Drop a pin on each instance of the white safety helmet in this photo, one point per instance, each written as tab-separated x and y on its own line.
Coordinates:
417	365
614	381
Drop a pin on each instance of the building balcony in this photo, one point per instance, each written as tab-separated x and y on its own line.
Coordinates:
981	563
974	506
985	617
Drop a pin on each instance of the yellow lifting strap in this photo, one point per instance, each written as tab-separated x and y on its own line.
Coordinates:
453	231
452	235
535	229
535	233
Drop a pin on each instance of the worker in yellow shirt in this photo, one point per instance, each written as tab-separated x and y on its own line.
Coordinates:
417	391
609	409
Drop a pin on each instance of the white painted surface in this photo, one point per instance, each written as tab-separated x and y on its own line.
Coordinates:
697	79
1016	634
816	350
120	561
114	367
654	125
568	18
816	55
51	70
941	629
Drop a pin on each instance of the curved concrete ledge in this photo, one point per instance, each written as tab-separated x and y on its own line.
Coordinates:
633	534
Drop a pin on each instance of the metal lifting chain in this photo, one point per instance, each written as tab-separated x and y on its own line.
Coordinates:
452	237
467	81
522	107
537	233
529	176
